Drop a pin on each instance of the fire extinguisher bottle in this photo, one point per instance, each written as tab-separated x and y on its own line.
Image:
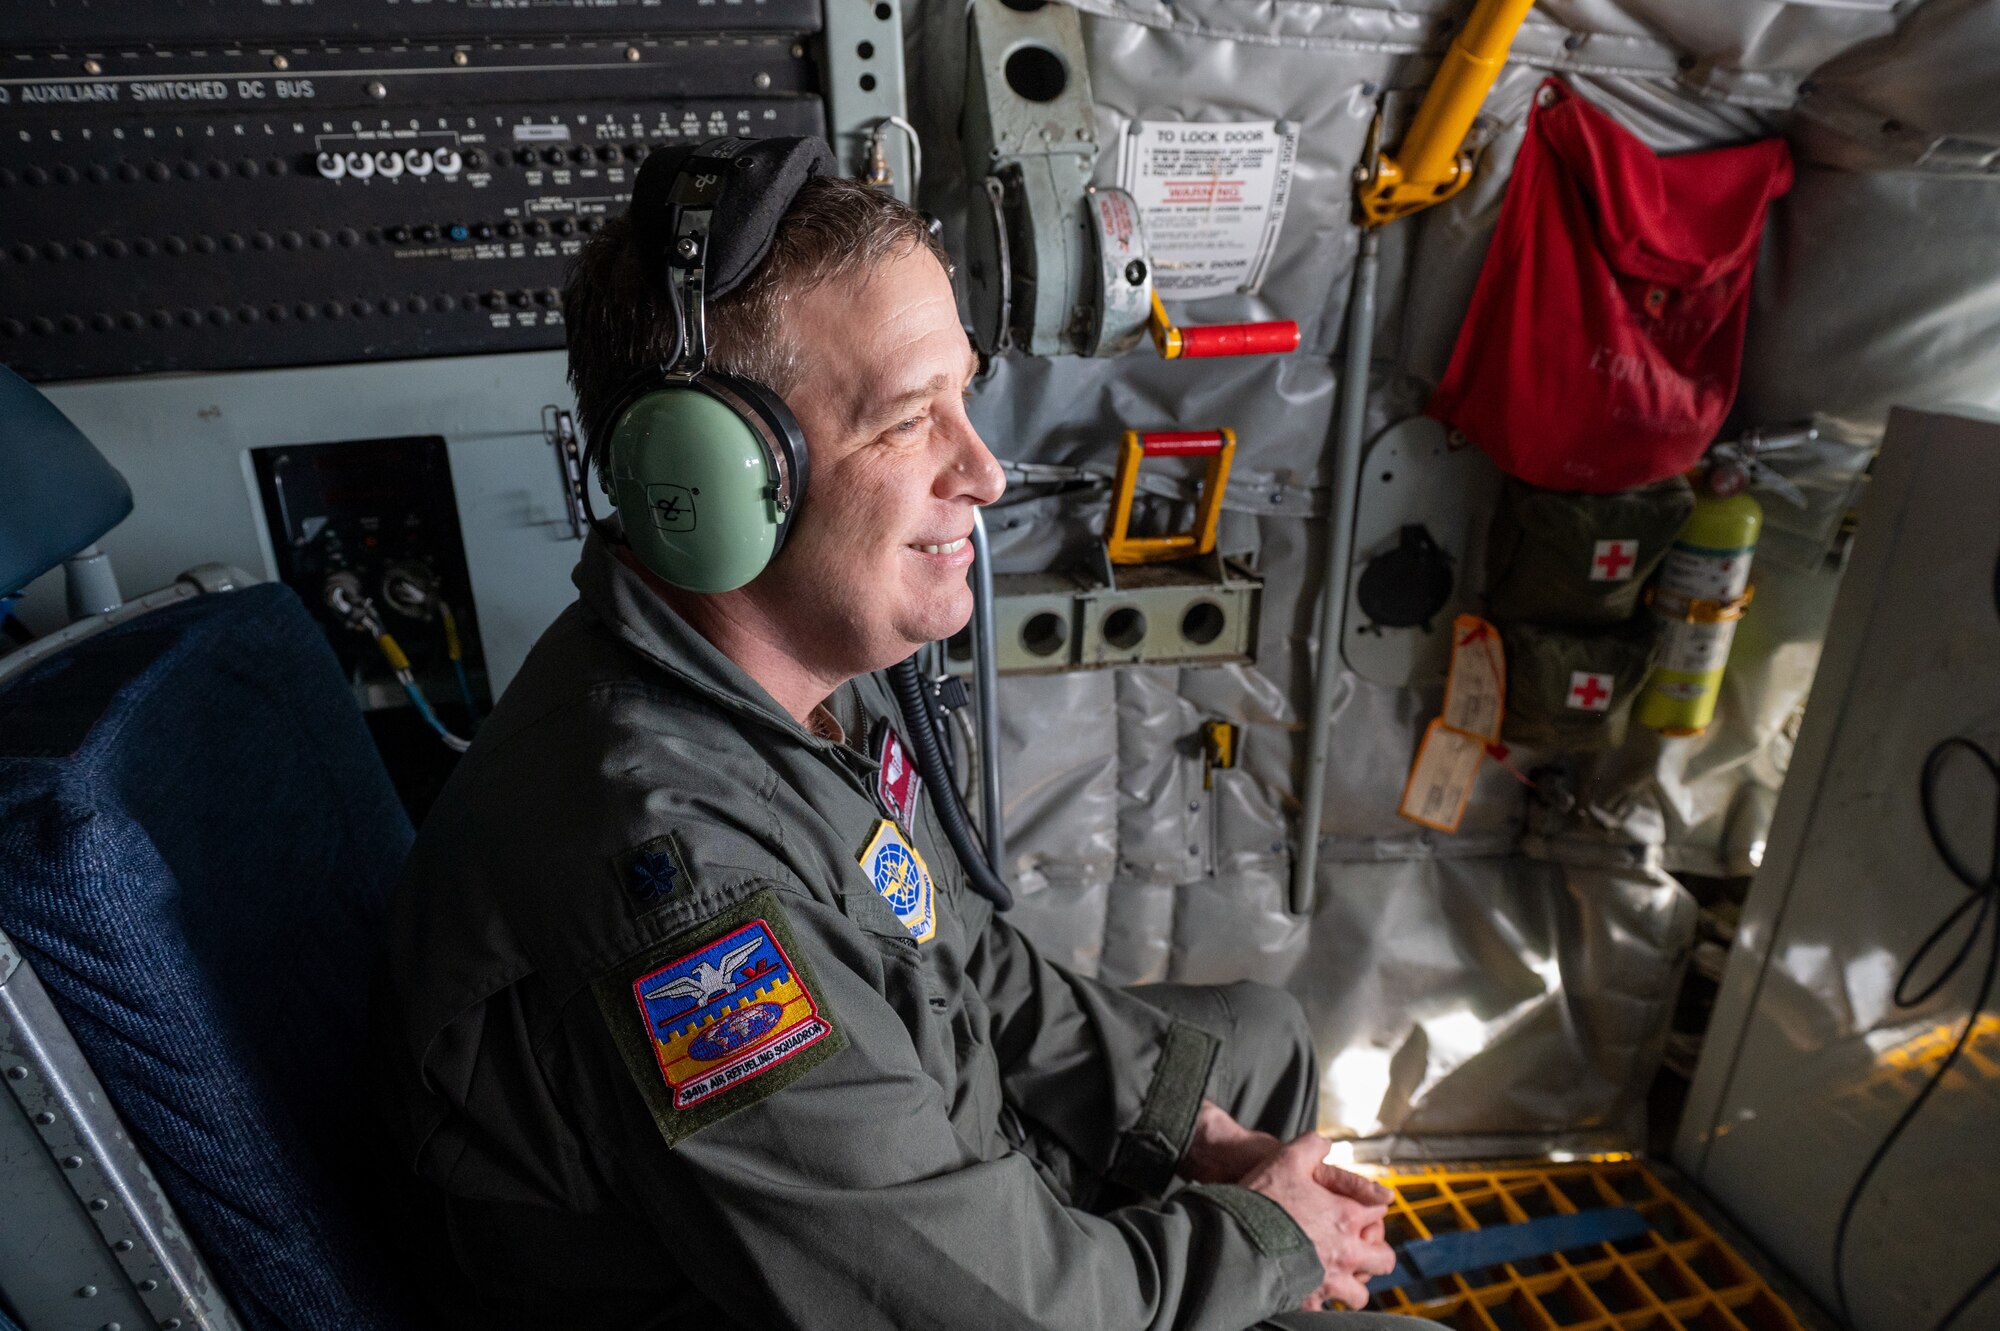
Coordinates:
1703	591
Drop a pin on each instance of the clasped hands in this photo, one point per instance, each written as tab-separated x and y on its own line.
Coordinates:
1340	1211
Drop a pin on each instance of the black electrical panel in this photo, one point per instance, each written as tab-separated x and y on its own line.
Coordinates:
366	532
243	203
372	524
50	21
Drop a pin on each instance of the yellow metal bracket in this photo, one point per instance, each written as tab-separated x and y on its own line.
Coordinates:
1432	164
1220	448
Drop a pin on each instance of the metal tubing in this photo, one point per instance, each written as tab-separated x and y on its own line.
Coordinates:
1339	547
986	666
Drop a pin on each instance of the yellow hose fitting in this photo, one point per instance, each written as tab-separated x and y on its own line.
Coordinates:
392	652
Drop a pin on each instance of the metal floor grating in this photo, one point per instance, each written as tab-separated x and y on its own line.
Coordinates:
1680	1276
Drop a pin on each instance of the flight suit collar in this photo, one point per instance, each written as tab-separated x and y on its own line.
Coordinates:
636	615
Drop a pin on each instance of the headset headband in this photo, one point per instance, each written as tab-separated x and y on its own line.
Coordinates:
712	211
691	212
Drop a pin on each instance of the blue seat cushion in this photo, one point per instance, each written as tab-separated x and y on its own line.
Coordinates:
197	843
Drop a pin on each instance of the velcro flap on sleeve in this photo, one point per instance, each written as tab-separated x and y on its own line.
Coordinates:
1151	1149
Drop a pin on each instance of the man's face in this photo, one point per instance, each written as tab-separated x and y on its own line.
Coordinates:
877	565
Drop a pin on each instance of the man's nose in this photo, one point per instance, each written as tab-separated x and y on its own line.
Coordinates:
973	473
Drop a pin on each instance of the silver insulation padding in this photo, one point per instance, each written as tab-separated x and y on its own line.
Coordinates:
1492	986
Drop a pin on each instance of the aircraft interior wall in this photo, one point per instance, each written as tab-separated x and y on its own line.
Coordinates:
1509	986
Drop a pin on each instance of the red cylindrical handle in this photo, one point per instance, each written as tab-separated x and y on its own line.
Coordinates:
1180	443
1260	339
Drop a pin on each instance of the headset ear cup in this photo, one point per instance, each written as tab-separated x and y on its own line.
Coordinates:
693	477
782	428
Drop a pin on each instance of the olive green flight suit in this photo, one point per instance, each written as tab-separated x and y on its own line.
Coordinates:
941	1131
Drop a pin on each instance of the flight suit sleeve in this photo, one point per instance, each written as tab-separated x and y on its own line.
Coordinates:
1116	1081
830	1188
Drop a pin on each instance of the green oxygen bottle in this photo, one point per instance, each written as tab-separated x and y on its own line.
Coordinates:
1703	591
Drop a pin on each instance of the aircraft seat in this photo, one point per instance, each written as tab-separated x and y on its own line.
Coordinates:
59	494
197	844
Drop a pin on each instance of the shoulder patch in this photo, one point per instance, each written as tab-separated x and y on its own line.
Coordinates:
653	872
903	879
719	1018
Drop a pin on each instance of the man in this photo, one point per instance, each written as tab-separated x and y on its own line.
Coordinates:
667	1055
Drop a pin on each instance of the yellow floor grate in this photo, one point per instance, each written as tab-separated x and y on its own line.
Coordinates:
1678	1277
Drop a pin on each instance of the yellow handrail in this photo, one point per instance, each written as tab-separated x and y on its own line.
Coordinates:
1431	166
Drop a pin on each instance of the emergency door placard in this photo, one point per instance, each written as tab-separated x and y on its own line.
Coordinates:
1213	195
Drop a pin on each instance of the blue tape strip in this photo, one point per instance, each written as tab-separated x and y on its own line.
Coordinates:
1472	1249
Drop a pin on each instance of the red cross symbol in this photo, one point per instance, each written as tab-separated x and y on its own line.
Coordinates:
1588	692
1611	560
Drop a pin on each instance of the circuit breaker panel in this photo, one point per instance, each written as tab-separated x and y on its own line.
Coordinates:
220	186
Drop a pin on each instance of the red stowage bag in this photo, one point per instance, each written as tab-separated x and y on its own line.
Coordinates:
1605	336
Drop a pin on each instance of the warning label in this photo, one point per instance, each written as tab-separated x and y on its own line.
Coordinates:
1213	196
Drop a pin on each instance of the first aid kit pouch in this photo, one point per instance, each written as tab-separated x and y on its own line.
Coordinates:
1556	558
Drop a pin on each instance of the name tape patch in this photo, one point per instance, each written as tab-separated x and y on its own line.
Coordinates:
726	1013
903	880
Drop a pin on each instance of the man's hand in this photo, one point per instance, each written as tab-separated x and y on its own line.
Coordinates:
1341	1212
1223	1150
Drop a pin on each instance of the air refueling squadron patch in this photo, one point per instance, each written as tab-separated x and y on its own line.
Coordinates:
727	1018
903	879
897	782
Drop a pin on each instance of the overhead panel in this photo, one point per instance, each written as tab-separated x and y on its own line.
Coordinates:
195	207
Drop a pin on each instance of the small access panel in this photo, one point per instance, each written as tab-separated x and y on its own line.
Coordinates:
366	532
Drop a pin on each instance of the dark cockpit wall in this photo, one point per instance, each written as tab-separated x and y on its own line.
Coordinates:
292	272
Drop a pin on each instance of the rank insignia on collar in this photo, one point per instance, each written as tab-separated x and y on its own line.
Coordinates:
903	879
729	1011
897	783
653	872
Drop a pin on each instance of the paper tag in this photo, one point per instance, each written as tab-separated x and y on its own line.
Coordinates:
1477	685
1441	779
1213	196
1456	742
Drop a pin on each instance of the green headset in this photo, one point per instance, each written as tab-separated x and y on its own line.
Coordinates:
708	470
